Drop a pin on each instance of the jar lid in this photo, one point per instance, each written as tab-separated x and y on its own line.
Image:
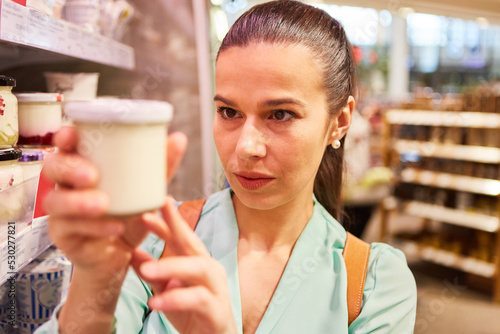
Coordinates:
39	97
7	81
31	155
10	154
119	111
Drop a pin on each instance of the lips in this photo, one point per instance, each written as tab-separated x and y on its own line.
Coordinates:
253	181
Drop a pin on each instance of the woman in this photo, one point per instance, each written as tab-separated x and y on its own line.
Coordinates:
266	255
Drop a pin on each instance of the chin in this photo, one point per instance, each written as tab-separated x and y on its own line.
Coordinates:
256	200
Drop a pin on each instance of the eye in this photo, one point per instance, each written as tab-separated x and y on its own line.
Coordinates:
227	113
282	115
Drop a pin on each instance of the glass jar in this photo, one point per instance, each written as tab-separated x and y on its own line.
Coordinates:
9	130
11	190
40	116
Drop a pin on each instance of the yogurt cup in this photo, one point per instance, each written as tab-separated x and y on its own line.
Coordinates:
40	117
126	139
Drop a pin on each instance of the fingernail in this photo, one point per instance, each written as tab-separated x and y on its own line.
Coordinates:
149	269
156	303
149	216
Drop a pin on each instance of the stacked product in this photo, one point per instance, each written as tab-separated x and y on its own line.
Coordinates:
107	17
40	116
38	289
12	197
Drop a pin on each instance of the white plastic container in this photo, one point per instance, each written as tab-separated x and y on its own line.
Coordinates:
8	113
74	86
85	13
40	117
126	139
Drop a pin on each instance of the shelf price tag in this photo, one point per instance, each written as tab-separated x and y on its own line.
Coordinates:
39	237
13	22
38	34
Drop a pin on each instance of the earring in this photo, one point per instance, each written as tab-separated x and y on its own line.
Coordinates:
336	144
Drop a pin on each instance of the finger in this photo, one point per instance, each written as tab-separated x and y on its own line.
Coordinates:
61	229
176	147
135	233
155	224
70	170
190	298
181	234
66	139
138	258
192	270
87	203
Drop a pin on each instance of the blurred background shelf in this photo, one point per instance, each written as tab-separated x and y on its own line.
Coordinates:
451	181
449	151
27	27
443	118
452	216
447	258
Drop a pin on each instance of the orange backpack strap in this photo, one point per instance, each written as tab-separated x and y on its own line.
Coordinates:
191	211
356	254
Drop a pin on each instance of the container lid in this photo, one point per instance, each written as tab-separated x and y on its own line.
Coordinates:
119	111
10	154
31	155
7	81
39	97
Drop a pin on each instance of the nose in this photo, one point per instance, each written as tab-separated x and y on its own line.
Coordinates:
251	143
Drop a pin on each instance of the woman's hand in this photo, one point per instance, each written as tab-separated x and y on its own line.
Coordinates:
77	222
99	247
190	287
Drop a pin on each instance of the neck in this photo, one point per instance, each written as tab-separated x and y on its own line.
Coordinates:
274	228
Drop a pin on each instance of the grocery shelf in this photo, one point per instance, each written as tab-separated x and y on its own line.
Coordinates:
480	154
476	221
27	243
451	181
444	118
28	27
447	258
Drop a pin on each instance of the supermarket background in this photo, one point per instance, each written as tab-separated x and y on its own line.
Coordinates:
423	155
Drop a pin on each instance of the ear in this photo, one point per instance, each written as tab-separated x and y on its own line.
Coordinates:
343	120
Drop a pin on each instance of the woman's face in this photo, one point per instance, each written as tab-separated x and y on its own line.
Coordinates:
272	126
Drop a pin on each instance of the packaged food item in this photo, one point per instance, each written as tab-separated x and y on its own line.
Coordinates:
40	116
49	7
41	285
115	16
11	192
9	130
126	139
85	13
74	86
31	162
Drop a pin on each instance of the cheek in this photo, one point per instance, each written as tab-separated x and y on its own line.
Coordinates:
300	158
223	143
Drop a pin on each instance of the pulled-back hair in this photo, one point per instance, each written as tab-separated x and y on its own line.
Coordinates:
292	22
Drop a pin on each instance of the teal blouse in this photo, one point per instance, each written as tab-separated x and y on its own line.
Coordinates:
311	294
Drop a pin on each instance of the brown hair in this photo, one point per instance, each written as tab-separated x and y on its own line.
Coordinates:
293	22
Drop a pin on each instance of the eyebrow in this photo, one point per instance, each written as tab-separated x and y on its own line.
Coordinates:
268	103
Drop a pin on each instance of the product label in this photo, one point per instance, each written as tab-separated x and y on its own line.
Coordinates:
2	105
13	22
